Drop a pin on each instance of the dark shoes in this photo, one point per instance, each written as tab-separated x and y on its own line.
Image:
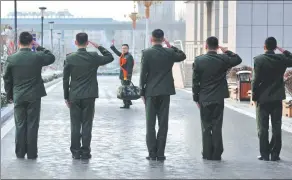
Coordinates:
159	158
275	158
263	158
125	107
151	158
212	159
83	157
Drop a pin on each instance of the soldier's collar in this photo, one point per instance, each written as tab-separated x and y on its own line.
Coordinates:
211	52
82	49
270	52
157	45
25	49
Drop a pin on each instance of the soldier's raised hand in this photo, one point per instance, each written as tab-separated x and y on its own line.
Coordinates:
223	49
94	44
34	43
167	43
280	49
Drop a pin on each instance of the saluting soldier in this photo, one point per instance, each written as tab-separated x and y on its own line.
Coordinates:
268	91
126	65
24	86
80	91
156	83
209	90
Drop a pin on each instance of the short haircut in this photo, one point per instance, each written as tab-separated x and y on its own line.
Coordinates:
81	38
125	45
212	42
271	43
157	35
25	38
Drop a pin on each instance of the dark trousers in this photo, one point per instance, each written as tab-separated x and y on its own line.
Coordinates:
264	110
211	124
27	119
157	106
81	114
126	102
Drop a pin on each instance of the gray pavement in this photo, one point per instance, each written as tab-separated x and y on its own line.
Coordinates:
119	148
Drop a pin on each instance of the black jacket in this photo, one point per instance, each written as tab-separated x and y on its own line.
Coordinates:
128	67
156	70
209	75
268	81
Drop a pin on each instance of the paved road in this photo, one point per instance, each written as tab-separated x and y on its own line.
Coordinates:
119	149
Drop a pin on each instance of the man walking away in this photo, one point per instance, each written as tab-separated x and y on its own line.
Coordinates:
126	65
24	86
156	83
209	90
81	91
268	91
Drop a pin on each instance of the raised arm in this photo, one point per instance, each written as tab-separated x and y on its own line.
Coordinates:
118	53
178	55
255	80
106	57
232	58
45	55
8	81
143	75
196	82
287	56
66	79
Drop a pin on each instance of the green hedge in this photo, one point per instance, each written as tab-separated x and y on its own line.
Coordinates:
45	79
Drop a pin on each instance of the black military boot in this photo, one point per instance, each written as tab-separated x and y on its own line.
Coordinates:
126	106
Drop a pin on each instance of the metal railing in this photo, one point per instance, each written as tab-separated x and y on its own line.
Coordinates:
191	49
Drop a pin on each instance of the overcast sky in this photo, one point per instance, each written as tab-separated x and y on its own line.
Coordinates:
101	9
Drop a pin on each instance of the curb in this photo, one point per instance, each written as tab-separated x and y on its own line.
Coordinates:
7	112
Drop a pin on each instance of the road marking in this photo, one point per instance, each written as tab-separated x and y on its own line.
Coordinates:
10	122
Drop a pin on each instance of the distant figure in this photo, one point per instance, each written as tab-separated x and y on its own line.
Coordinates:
24	86
126	65
209	90
80	91
268	91
156	83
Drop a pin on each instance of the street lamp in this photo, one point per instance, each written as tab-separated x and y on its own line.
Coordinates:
15	26
59	43
42	15
51	28
134	17
147	5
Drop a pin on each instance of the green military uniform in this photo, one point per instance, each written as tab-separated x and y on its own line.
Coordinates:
81	89
128	67
156	83
209	90
24	85
268	90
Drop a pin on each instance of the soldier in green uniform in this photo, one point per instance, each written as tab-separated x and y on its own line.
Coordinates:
156	83
24	86
268	91
126	65
80	91
209	90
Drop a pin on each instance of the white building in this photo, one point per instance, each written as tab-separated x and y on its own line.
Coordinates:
242	26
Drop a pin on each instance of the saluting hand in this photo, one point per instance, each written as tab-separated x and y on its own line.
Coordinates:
94	44
167	43
280	49
35	44
223	49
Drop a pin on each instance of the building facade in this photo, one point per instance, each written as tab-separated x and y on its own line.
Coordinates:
242	26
